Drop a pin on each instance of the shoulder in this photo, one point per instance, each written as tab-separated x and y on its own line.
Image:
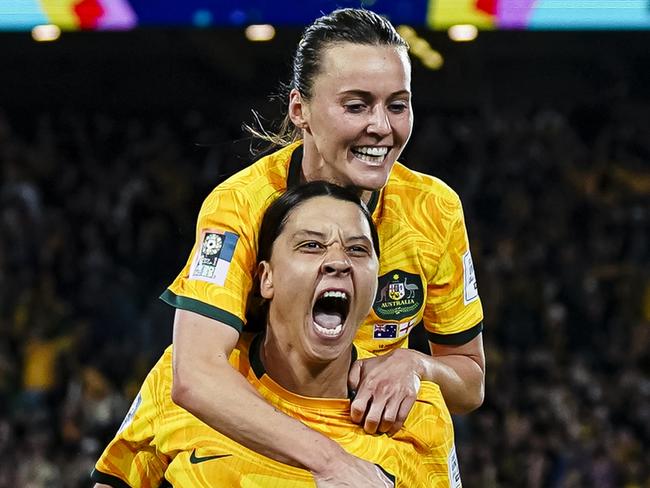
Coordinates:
420	203
429	423
254	185
415	188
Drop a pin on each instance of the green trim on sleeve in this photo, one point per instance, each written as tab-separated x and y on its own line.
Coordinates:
457	339
107	479
196	306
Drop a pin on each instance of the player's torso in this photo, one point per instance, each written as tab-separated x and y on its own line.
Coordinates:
405	265
201	457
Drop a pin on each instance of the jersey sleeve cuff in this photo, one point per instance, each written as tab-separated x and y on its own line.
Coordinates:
108	479
457	339
196	306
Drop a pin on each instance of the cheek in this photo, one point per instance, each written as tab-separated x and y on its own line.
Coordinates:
403	126
368	283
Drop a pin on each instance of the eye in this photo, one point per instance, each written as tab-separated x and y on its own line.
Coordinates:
311	246
358	250
355	108
398	107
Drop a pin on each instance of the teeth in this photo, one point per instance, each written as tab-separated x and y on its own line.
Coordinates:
329	332
335	294
372	151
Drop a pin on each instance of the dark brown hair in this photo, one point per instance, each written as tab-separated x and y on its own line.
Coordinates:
356	26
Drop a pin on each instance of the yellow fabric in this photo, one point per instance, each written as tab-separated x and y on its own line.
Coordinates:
422	236
39	372
160	439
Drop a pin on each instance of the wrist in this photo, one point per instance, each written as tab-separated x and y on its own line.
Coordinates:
422	364
324	456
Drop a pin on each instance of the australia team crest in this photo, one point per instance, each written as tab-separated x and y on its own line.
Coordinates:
399	295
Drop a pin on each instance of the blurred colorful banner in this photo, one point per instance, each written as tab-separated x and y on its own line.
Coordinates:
437	14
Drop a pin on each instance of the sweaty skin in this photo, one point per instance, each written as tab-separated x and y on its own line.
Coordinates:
360	104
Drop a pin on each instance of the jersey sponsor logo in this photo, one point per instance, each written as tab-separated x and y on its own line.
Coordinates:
131	413
471	287
194	459
213	257
454	469
399	295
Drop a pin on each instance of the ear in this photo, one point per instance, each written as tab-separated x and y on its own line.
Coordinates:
298	110
266	279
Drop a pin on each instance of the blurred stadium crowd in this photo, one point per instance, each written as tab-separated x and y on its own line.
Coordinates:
97	216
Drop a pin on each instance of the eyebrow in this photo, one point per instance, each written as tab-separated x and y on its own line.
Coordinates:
321	235
305	233
367	94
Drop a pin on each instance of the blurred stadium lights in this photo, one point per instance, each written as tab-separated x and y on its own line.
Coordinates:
260	32
46	32
202	18
421	48
462	32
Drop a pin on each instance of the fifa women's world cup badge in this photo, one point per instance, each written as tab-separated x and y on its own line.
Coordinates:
399	295
212	259
210	248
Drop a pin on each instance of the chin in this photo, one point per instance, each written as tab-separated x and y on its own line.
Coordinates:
326	351
371	182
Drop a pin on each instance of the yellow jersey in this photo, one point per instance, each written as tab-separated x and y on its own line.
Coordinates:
159	442
426	273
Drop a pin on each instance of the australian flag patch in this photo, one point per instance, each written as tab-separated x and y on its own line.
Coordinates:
385	331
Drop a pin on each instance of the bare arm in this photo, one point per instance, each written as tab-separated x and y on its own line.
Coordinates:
460	373
207	385
387	385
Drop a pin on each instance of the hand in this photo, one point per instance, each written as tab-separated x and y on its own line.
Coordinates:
352	472
387	387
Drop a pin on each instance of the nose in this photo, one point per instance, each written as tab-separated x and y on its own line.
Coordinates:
336	262
379	122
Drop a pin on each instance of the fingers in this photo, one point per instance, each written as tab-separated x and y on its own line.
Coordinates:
390	414
402	413
373	417
359	406
354	376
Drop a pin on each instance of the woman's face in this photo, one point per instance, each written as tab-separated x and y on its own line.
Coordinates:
359	117
321	278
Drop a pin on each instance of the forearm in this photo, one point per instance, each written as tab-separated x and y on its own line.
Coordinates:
459	377
222	398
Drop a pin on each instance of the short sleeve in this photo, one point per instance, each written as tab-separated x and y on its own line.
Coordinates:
453	312
131	459
218	275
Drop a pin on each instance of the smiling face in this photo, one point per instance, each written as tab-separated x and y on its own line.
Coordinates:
359	117
321	278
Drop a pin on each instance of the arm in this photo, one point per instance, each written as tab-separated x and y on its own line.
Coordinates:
207	385
460	373
388	385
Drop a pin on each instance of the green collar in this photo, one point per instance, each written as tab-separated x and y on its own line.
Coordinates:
255	359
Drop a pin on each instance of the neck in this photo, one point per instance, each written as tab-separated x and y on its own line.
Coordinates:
298	374
315	168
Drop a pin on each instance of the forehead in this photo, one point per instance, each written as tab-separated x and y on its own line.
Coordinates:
371	68
326	214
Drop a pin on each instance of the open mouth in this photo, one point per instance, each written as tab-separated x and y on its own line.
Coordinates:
370	154
329	313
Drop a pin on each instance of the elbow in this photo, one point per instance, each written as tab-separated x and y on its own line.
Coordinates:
470	401
476	400
187	385
183	390
191	380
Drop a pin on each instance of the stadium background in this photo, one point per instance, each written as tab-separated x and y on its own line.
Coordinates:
110	140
